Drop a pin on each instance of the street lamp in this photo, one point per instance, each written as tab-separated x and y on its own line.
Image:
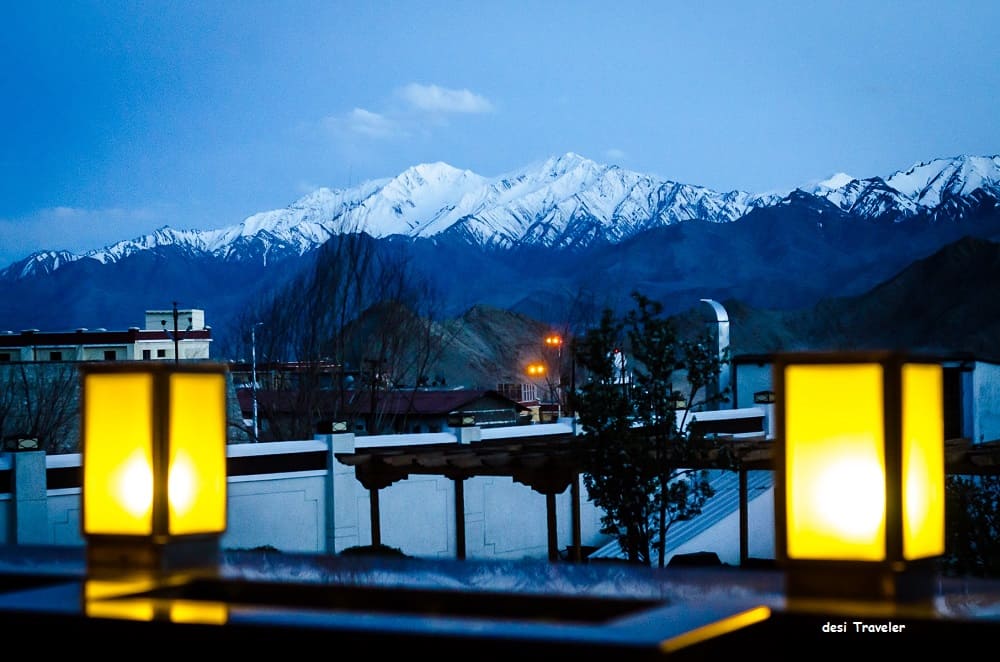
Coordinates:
253	373
535	369
554	340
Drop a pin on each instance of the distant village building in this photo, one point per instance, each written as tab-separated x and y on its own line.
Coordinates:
412	411
971	393
39	378
157	341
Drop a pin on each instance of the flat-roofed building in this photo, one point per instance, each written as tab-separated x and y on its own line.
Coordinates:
157	341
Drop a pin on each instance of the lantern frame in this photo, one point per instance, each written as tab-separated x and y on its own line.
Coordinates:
159	539
892	575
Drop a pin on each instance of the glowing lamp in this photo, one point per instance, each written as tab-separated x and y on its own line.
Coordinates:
535	369
153	442
459	419
859	468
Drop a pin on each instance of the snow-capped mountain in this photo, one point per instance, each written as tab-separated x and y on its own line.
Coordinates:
42	262
930	183
563	202
923	188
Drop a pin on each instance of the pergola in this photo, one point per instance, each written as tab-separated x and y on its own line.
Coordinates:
550	463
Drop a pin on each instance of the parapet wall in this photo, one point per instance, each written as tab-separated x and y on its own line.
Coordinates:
296	497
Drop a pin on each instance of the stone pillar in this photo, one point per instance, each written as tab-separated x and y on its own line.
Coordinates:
31	507
335	443
468	434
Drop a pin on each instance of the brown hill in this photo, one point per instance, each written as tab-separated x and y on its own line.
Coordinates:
489	346
945	303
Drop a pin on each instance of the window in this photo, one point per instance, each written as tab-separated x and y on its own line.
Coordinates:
147	354
110	355
956	382
161	353
55	356
4	356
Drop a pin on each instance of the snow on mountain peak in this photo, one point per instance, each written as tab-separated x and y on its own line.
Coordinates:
835	181
929	182
566	200
558	166
39	262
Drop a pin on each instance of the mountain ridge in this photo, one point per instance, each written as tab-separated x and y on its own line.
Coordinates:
576	251
938	304
563	202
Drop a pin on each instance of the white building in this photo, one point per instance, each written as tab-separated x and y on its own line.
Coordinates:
971	393
157	341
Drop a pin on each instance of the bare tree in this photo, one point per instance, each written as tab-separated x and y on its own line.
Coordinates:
395	339
41	401
360	323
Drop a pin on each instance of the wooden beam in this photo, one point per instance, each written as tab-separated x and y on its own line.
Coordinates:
550	512
401	460
534	460
466	460
744	518
496	459
376	524
352	459
459	519
432	461
577	539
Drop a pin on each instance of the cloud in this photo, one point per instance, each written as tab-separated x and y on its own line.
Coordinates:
424	107
435	99
67	212
362	122
614	154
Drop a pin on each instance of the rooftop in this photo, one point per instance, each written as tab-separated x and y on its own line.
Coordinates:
444	608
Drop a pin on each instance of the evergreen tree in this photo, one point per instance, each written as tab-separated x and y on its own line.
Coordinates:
972	525
647	468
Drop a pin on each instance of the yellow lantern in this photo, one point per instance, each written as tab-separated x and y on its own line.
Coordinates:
153	442
859	489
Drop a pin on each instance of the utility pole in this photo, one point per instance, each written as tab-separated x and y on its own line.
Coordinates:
571	401
555	340
253	373
176	338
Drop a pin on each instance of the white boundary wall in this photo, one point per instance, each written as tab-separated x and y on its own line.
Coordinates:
316	511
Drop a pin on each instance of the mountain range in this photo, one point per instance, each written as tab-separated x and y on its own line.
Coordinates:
540	241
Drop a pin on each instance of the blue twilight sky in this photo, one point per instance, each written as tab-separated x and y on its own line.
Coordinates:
120	117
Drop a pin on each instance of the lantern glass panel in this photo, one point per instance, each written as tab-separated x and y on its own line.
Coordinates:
923	461
118	468
835	462
197	456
